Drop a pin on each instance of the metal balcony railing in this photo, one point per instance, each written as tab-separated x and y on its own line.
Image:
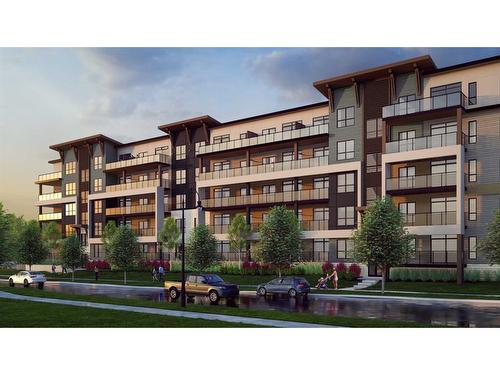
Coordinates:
306	131
46	177
270	198
129	210
422	181
308	225
430	218
49	196
137	185
143	232
50	216
265	168
421	143
157	158
455	99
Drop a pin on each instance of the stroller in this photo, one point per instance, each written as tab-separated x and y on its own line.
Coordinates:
322	283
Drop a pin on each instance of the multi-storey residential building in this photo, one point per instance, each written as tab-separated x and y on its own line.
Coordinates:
427	137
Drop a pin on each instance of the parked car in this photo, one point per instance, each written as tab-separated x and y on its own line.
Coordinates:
293	286
205	284
27	278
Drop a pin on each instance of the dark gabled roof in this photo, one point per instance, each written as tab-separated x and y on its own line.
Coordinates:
196	121
81	141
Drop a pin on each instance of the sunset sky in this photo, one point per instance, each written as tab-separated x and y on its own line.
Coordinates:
52	95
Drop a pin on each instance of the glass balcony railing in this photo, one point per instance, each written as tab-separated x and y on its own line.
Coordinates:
49	196
270	198
422	181
309	225
430	218
307	131
50	216
455	99
421	143
157	158
137	185
47	177
143	232
434	257
265	168
130	210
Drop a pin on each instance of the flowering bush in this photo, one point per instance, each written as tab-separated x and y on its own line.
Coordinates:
100	264
327	267
341	267
148	265
355	269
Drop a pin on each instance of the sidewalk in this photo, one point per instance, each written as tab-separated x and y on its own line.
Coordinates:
176	313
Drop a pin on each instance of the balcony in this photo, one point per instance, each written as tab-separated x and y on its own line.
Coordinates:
265	168
310	225
48	177
131	210
430	218
307	131
138	185
422	143
49	196
50	216
144	232
456	99
436	180
265	199
134	162
428	257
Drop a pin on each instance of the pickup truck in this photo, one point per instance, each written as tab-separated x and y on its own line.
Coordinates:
205	284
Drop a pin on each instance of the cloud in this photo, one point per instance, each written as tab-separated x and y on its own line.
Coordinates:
292	71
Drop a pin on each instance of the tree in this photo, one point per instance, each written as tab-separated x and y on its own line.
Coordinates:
170	234
5	229
382	240
109	231
280	238
201	251
239	230
73	253
31	247
490	245
52	237
122	249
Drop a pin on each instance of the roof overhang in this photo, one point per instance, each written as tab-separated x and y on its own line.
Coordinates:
83	141
424	63
192	122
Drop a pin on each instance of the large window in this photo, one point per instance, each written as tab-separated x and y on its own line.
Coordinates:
472	244
69	230
321	120
222	192
222	138
372	193
444	248
446	89
221	219
70	188
180	201
345	183
97	184
287	126
221	165
321	182
322	213
472	175
268	131
70	167
345	117
98	207
84	175
161	150
374	128
97	229
345	150
344	248
180	176
407	209
443	166
345	216
180	152
443	204
84	196
472	93
472	131
287	156
444	128
321	151
472	209
267	189
374	162
320	249
97	162
269	160
288	185
70	209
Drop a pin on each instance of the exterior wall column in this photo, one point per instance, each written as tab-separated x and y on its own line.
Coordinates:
248	217
459	126
460	259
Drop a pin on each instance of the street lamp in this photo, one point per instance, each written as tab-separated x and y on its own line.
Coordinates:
183	253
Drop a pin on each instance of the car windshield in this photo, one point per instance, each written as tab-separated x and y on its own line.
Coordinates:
213	279
35	273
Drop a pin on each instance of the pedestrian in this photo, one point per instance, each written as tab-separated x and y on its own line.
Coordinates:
96	273
154	274
63	268
335	278
161	272
53	268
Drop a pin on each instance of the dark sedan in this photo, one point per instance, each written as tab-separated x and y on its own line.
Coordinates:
292	285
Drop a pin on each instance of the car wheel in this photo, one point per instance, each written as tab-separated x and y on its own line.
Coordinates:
292	293
173	293
40	285
26	283
11	282
213	296
262	291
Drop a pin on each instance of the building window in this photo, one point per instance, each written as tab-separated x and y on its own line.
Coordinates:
372	193
244	135
222	192
69	230
180	152
269	160
321	120
374	162
143	201
243	191
345	150
443	166
374	128
197	145
320	249
472	131
444	128
472	93
243	164
70	167
444	248
472	247
320	214
345	117
97	184
407	209
97	229
221	165
180	176
268	189
98	207
287	126
287	156
84	175
70	188
180	201
161	150
472	209
97	162
446	89
70	209
321	151
143	177
443	204
321	183
268	131
222	138
344	248
472	170
345	216
84	196
345	183
407	98
288	186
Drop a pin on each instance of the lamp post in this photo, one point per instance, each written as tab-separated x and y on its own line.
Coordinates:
183	253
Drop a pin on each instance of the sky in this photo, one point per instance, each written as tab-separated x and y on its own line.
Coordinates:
51	95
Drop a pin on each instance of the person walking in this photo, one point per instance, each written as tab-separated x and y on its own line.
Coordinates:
335	278
154	274
161	272
53	268
96	273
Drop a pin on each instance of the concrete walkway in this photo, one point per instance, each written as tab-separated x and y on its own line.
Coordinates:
164	312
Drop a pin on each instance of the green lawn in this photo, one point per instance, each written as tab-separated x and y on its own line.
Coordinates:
22	314
482	287
265	314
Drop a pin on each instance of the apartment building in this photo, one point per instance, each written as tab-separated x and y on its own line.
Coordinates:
427	137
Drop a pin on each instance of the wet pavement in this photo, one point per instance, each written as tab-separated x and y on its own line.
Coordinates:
451	313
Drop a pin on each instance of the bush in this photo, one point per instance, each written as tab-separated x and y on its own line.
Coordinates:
327	267
472	275
341	267
100	264
395	274
355	270
148	265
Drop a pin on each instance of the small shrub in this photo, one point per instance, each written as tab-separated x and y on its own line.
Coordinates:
341	267
395	274
425	274
472	275
327	267
412	274
497	277
100	264
355	270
